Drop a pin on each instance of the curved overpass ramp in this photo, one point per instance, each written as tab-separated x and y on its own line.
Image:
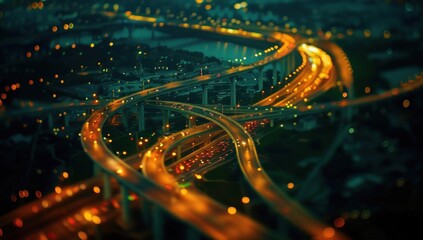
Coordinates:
174	202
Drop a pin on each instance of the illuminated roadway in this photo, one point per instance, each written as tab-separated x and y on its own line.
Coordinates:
291	210
153	167
172	202
91	131
48	203
315	78
176	202
250	164
247	158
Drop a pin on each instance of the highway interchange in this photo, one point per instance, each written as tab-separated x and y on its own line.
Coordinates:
160	187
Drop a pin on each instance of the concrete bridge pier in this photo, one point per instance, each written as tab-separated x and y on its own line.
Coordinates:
146	213
96	169
291	62
261	79
192	233
191	120
282	66
233	91
78	38
66	119
129	32
141	116
158	222
107	187
275	73
153	32
124	118
126	219
166	125
282	226
205	94
50	120
288	64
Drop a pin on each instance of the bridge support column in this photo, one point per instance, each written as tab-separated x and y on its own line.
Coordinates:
96	170
205	95
158	222
78	38
289	63
193	233
153	32
141	117
66	119
191	120
124	118
282	66
129	32
261	79
166	125
146	212
50	121
125	208
282	226
107	188
233	92
275	74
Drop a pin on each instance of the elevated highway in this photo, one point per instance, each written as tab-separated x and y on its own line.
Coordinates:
131	180
160	188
